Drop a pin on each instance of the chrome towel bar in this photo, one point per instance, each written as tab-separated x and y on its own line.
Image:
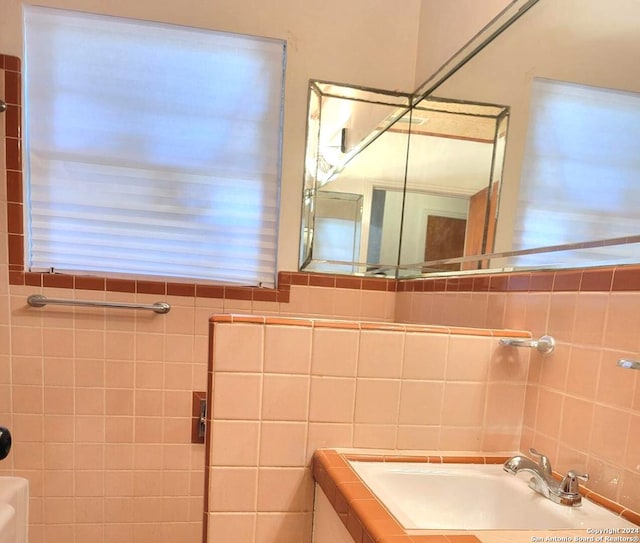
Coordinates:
545	345
629	364
37	300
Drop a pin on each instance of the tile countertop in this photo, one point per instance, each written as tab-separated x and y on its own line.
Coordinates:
368	521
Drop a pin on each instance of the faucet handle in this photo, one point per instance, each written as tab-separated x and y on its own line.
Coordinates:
570	483
543	461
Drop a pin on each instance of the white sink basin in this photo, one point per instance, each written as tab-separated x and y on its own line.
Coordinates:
473	497
14	509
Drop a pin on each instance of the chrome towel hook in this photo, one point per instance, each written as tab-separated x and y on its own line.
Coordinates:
544	345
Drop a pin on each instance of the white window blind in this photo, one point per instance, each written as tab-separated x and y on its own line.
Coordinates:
579	177
152	149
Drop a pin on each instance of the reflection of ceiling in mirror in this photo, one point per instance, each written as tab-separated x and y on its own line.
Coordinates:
450	151
439	165
463	108
447	125
441	117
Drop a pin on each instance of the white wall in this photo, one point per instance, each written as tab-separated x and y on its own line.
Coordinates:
445	26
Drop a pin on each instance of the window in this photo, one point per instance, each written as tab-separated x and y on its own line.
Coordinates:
151	149
579	173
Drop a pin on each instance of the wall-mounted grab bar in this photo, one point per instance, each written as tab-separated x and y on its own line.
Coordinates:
37	300
629	364
545	345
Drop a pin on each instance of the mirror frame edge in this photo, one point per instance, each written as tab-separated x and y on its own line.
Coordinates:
504	19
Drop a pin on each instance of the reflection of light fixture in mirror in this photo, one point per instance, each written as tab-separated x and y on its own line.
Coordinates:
403	117
332	158
326	169
412	120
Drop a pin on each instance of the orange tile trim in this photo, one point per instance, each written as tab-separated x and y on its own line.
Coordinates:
602	279
427	328
601	500
356	325
631	516
430	459
614	279
366	518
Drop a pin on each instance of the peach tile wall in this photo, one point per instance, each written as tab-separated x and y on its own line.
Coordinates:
99	404
283	388
581	409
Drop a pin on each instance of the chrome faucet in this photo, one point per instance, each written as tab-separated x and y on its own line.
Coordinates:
565	492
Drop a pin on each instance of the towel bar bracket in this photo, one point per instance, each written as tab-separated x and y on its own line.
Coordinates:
629	364
544	345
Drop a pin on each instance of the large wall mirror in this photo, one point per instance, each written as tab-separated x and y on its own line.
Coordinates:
389	186
546	137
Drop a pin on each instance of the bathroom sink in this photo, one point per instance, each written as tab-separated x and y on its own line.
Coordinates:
14	507
424	496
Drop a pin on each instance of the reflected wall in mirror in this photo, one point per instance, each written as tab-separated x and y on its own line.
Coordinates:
424	180
568	71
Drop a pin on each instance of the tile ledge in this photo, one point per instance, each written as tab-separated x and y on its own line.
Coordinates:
364	325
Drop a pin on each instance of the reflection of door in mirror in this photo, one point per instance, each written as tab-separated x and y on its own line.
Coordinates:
419	210
444	239
481	227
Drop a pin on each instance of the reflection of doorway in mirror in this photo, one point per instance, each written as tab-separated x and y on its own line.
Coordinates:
374	246
419	207
337	230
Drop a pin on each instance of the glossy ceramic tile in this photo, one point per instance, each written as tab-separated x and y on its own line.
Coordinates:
425	356
332	399
378	354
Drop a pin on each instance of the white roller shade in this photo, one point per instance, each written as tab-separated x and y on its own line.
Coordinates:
152	149
580	171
